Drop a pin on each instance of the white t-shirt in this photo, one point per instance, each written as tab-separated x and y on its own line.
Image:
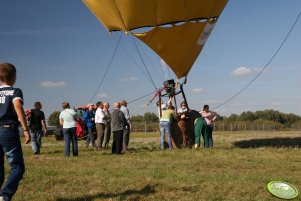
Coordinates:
68	116
100	117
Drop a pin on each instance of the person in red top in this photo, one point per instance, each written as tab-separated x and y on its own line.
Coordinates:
210	117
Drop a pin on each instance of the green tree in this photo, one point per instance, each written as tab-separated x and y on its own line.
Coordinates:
137	118
150	117
53	119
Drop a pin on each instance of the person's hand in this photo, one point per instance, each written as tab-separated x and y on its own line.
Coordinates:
45	132
27	137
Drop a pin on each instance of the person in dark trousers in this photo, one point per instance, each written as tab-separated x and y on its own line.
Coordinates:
37	123
127	130
118	124
11	115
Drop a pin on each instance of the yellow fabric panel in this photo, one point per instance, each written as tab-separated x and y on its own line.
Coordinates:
107	13
178	46
131	14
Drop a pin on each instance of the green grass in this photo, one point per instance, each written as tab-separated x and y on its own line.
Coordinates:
235	169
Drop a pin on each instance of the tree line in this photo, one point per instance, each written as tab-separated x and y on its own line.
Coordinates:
246	120
265	115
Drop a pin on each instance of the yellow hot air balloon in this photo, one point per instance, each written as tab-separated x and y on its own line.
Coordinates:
179	28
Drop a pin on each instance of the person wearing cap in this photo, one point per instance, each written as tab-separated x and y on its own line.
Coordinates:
210	117
37	124
68	119
11	116
89	120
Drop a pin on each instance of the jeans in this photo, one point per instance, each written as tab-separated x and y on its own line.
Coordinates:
165	126
209	133
36	141
70	135
10	145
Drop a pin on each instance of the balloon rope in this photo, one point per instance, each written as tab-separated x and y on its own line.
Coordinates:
107	70
260	72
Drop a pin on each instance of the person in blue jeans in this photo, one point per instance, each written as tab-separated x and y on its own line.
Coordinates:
37	123
68	119
168	117
11	115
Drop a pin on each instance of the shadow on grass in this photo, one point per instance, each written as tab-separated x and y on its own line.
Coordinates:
147	190
271	142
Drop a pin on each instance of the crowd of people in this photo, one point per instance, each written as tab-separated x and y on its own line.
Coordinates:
97	119
103	121
192	125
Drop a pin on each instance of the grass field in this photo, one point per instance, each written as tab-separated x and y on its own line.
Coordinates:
238	168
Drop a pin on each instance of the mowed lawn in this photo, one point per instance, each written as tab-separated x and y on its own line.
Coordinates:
238	168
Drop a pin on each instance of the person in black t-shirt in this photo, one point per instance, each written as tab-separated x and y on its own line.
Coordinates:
11	115
37	123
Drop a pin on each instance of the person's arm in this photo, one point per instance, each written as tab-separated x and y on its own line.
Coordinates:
43	122
61	120
18	105
122	118
44	125
85	117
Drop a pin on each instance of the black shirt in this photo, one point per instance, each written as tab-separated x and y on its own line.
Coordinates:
8	114
36	117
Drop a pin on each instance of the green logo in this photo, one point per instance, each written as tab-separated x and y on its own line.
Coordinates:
282	189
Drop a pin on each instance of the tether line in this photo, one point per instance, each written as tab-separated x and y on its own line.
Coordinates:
151	79
107	69
260	72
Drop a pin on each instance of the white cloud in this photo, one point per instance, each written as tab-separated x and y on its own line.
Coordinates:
53	84
276	103
126	79
198	90
245	71
241	71
103	95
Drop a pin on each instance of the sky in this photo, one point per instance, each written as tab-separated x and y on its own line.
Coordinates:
61	53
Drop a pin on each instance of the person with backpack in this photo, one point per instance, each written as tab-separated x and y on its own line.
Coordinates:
37	124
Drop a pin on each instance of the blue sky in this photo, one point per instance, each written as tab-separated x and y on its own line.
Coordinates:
61	52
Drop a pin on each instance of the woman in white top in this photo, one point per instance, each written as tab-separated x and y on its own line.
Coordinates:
68	119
